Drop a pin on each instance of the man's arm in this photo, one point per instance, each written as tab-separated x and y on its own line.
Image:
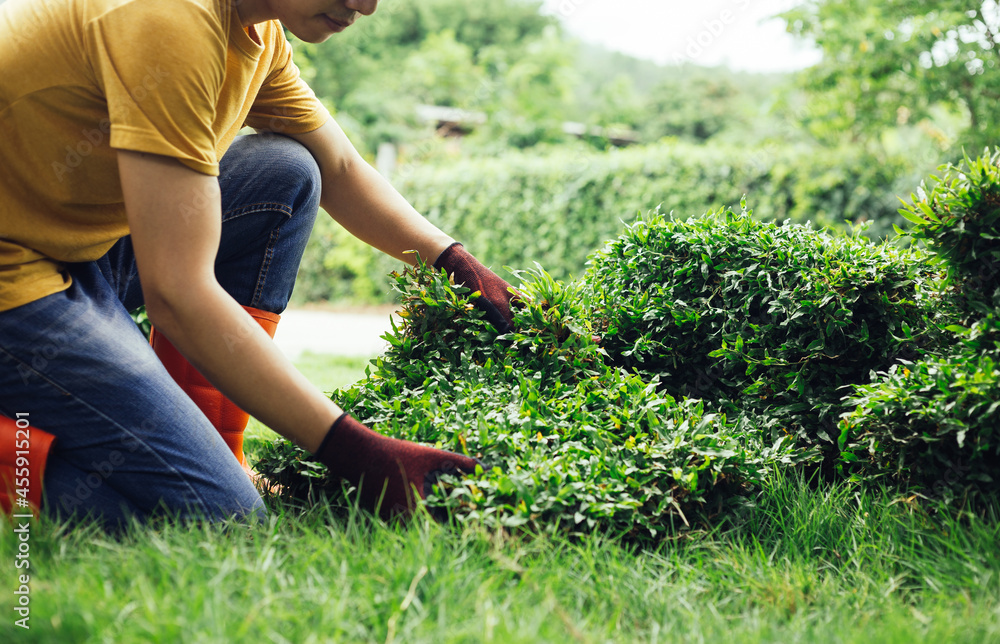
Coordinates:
365	203
174	215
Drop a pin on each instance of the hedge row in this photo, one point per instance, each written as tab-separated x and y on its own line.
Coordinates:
758	317
555	209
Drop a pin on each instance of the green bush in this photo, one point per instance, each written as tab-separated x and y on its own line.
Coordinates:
573	443
555	209
586	413
692	359
958	217
935	422
755	316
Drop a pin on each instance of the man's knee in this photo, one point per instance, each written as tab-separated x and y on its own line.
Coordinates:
291	165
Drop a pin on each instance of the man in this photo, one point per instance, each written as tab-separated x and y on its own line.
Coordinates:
121	185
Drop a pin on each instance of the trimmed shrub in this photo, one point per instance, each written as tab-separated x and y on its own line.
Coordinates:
586	414
934	423
755	316
573	444
958	217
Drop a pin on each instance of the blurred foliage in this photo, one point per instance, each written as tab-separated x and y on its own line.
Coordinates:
376	48
913	80
515	66
142	321
902	64
503	58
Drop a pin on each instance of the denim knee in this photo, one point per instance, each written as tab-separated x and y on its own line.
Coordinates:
296	165
288	172
270	195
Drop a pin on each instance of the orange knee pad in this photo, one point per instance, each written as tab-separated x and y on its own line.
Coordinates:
24	451
228	419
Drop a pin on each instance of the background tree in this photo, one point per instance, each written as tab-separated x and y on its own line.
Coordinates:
899	63
694	106
537	93
442	71
446	52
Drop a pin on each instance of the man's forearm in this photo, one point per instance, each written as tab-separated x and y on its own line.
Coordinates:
238	357
175	220
368	206
365	203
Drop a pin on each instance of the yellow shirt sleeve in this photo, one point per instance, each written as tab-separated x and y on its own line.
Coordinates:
285	103
168	106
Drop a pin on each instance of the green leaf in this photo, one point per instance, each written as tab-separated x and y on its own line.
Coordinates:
909	216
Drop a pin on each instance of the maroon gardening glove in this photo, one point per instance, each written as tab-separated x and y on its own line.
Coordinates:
391	474
496	295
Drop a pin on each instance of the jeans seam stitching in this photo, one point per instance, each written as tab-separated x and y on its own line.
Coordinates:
250	209
40	375
265	266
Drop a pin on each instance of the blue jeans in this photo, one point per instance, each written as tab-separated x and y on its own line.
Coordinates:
129	442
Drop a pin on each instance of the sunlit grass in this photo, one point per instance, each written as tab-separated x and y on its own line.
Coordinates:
800	562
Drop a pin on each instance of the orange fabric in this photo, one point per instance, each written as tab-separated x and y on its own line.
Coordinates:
224	414
32	446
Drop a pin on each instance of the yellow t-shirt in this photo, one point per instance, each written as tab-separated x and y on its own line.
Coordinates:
82	78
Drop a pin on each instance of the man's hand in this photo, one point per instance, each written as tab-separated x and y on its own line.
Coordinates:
495	296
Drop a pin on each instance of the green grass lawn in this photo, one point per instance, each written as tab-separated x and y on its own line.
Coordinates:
799	563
